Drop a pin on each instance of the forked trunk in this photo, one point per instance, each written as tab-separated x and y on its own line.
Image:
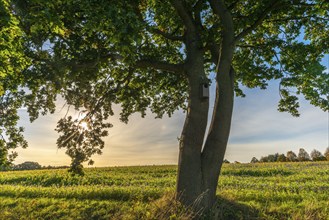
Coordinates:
199	166
198	169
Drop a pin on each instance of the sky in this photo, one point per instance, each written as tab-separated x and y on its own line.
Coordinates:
258	129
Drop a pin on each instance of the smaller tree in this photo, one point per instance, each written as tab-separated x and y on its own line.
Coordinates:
28	165
226	161
80	141
263	159
303	155
254	160
282	158
326	153
291	156
276	157
272	157
317	155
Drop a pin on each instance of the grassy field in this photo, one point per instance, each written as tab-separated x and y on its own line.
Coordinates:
245	191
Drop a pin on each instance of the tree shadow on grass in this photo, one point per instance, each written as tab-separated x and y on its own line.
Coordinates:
225	209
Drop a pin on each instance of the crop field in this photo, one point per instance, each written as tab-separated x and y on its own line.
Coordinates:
245	191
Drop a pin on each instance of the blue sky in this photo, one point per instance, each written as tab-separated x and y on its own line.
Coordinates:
258	129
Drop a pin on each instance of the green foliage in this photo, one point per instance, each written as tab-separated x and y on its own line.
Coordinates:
326	153
12	59
300	194
292	157
254	160
133	53
303	155
245	191
12	62
11	136
282	158
80	141
257	173
273	158
28	165
317	155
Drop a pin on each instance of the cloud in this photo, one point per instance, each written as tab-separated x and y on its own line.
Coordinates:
141	141
144	141
257	130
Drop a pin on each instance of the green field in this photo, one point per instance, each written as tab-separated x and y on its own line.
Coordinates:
245	191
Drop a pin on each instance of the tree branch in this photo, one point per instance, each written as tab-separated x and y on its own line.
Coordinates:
184	14
160	65
213	48
251	46
303	4
231	6
297	18
169	36
142	63
259	20
220	9
227	44
197	8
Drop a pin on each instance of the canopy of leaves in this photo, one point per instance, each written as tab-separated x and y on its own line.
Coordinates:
98	53
28	165
317	155
12	58
12	63
303	155
291	156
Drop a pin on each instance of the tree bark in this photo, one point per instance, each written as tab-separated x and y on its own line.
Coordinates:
216	142
199	168
198	171
189	178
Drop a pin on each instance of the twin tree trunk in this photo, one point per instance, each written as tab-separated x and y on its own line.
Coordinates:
199	165
199	168
200	162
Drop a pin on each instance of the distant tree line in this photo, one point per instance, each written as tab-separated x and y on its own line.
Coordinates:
290	156
30	165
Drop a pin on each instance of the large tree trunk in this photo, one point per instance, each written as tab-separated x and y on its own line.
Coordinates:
198	170
189	179
199	167
216	142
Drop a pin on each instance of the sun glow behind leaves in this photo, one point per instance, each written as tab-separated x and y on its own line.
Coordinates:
84	125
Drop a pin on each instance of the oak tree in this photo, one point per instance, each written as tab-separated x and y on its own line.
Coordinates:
282	158
291	156
303	155
254	160
157	56
317	156
12	62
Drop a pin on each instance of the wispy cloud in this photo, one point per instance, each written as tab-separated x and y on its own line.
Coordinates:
257	130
